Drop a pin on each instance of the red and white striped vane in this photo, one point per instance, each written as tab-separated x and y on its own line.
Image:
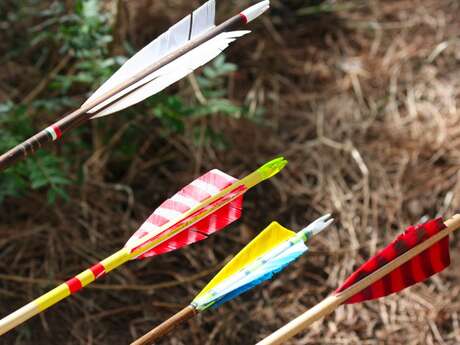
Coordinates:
186	46
207	205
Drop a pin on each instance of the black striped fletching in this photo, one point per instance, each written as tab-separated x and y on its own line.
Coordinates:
429	262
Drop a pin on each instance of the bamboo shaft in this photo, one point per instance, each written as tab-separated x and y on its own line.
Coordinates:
295	326
328	305
167	326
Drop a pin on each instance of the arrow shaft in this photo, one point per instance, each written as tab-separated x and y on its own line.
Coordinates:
332	302
295	326
64	290
81	115
86	277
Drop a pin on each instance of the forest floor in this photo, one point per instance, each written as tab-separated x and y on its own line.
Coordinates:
362	99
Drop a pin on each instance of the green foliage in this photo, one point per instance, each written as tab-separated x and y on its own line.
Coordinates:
173	111
42	170
212	83
84	34
213	86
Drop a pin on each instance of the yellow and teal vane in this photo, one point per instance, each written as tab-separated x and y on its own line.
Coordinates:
269	253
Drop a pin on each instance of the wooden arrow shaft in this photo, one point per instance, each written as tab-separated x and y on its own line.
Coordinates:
331	303
167	326
81	115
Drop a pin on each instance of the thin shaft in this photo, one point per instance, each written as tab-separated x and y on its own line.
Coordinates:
167	326
332	302
62	291
82	114
295	326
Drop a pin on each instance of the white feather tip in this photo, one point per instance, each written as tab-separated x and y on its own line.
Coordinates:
255	11
318	225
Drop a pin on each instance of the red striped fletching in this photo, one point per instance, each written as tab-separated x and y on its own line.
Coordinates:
226	214
228	209
431	261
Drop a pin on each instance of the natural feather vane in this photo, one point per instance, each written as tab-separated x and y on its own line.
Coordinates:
197	23
431	261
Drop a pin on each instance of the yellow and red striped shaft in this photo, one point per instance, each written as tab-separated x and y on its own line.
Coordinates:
142	245
81	280
64	290
86	277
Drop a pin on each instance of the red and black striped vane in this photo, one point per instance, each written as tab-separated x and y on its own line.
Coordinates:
419	253
431	261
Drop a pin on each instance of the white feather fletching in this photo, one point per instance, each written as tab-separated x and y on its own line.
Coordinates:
177	35
174	71
196	24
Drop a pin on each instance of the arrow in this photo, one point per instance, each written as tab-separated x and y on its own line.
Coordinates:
207	205
266	255
420	252
186	46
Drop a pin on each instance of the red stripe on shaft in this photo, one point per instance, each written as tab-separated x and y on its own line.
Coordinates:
57	130
244	18
74	285
98	270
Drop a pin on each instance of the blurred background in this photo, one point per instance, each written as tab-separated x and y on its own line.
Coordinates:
360	96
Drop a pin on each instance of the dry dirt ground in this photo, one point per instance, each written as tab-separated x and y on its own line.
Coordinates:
363	100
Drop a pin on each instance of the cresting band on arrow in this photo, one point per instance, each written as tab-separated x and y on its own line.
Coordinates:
54	131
